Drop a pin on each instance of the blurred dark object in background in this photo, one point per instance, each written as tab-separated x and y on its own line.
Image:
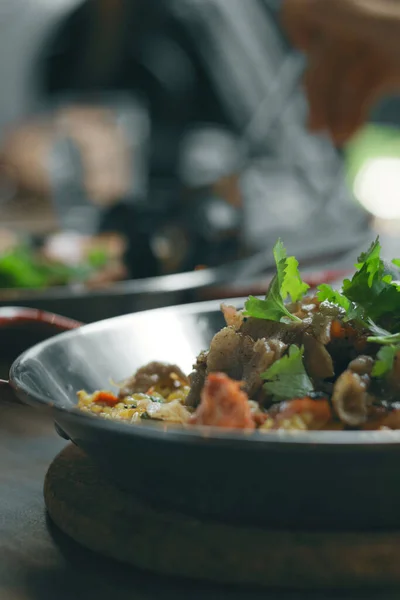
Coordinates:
202	99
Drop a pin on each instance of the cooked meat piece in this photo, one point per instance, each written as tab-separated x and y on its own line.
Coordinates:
380	416
350	399
265	352
152	374
291	333
322	322
258	415
391	420
362	365
331	310
321	328
229	350
197	379
223	404
300	414
317	360
233	317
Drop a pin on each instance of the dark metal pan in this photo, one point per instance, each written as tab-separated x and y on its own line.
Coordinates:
89	305
330	480
22	327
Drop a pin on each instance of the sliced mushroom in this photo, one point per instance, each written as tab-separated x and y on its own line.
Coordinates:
322	321
289	333
265	352
362	365
233	317
317	359
350	399
239	357
229	350
197	379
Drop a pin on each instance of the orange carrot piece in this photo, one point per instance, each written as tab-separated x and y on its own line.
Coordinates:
106	398
340	331
318	412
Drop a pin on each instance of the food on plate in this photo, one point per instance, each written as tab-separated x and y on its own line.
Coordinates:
64	258
292	361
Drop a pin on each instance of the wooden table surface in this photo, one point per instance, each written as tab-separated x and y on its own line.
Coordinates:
37	561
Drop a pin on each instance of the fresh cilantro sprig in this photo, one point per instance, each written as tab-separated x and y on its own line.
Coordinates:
326	293
351	312
372	286
287	283
22	267
390	347
287	377
371	295
385	360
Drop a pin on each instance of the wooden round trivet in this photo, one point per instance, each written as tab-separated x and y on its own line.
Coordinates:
87	507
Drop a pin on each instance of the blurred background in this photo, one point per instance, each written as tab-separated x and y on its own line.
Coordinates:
147	138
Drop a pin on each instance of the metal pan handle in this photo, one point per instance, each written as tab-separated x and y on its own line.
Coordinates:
15	315
22	318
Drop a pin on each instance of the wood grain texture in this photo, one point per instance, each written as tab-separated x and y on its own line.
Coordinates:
116	524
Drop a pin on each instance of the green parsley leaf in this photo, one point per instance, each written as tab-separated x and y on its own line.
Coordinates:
372	287
353	312
287	377
385	360
396	262
292	285
327	294
371	260
286	283
97	257
271	309
290	282
158	399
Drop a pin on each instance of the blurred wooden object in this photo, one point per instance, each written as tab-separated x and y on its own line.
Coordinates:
121	526
28	213
24	152
94	130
